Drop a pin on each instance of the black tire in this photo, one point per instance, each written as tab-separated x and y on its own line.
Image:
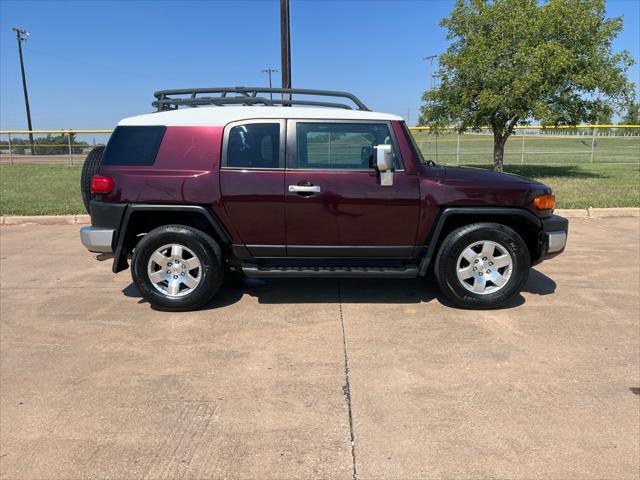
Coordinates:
446	265
89	169
205	248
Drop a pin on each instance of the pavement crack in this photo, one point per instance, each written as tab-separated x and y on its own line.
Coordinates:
346	389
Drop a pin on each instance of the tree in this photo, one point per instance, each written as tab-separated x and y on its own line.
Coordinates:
633	115
510	61
604	119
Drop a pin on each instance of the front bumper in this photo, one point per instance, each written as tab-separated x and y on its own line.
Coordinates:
555	230
97	239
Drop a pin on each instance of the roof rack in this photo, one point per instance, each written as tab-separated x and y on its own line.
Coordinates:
174	99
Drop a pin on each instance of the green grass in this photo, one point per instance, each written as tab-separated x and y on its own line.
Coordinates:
40	190
55	189
582	186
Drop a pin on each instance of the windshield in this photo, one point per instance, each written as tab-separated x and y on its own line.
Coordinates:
414	145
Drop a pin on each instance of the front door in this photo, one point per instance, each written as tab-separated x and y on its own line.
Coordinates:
335	205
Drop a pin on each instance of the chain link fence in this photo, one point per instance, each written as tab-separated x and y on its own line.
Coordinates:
49	147
532	145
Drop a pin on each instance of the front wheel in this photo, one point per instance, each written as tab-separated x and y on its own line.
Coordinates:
177	267
483	265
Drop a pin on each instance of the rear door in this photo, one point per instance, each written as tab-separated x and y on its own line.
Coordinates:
252	183
334	203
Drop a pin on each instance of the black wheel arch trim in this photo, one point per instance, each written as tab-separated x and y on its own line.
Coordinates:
120	255
449	212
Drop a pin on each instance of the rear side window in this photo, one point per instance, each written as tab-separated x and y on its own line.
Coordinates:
254	145
136	146
340	145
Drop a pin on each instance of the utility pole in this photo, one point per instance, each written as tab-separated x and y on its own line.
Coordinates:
430	59
285	46
21	36
269	71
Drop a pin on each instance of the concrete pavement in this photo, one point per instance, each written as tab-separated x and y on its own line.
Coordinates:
95	384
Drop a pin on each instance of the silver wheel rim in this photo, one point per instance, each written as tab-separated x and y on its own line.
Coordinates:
174	270
484	267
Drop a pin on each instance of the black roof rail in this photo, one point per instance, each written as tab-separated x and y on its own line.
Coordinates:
173	99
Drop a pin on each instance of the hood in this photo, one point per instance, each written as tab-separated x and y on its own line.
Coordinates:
486	177
466	186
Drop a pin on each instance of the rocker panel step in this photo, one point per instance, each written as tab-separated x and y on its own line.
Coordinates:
343	272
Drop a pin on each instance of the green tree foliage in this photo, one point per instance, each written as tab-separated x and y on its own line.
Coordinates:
510	61
632	116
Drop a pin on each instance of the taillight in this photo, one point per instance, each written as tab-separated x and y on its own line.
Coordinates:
102	184
544	202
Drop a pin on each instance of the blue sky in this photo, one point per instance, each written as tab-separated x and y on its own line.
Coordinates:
91	63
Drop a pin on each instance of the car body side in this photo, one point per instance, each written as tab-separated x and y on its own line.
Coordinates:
187	181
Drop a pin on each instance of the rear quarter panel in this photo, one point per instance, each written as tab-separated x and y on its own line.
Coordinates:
186	171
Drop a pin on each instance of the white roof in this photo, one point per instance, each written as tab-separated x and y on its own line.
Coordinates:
220	116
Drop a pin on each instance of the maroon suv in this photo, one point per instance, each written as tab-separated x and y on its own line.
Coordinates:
302	187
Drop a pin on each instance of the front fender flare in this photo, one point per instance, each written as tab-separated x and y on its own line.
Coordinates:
449	212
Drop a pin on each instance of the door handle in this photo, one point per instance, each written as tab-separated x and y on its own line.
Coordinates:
304	188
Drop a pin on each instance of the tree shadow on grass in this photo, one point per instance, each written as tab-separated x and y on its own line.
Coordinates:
537	171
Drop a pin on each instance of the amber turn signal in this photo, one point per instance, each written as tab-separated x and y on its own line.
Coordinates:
544	202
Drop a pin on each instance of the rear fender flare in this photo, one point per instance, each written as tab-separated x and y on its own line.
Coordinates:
120	255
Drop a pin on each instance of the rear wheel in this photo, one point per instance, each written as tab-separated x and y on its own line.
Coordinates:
483	265
89	169
177	268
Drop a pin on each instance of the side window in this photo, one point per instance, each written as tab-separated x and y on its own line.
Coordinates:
133	146
254	145
340	145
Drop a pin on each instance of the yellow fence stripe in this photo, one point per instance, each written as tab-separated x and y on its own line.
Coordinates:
567	138
542	127
23	132
520	127
65	145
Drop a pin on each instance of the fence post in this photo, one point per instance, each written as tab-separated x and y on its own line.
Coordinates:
458	149
522	152
436	147
593	142
70	152
10	151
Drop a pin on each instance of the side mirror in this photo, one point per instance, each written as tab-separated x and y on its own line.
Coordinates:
384	158
384	164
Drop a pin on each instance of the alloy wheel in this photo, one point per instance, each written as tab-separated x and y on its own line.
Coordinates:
484	267
174	270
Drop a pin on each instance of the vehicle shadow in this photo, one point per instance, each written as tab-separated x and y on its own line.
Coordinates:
539	284
348	290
